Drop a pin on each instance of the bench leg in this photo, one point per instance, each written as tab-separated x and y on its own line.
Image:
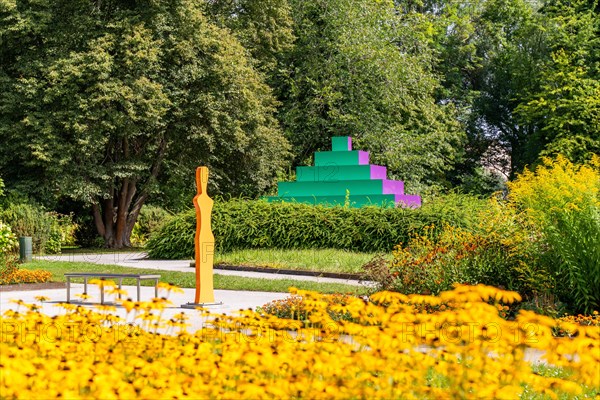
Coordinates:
138	289
85	286
68	289
120	286
101	294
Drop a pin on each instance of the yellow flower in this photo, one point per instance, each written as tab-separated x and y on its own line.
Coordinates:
388	349
102	283
117	291
83	296
169	287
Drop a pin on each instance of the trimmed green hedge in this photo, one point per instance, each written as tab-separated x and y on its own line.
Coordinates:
246	224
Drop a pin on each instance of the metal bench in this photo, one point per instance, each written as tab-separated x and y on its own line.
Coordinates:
119	277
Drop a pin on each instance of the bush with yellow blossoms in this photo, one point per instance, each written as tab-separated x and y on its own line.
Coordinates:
498	251
543	242
390	350
563	200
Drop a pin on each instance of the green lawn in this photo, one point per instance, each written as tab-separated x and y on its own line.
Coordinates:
325	260
559	373
187	279
98	250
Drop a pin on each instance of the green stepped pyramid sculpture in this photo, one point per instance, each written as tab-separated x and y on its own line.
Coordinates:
344	176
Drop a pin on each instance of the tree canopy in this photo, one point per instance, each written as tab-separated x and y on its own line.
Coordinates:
98	96
361	68
565	108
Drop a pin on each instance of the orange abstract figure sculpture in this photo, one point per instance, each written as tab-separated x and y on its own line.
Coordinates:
205	241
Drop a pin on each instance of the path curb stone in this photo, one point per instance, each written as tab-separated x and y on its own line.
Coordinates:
298	272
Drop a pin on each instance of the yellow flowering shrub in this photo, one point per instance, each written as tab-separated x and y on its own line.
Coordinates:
499	250
390	350
543	242
563	199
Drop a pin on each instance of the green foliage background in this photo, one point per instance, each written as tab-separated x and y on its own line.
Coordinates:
100	100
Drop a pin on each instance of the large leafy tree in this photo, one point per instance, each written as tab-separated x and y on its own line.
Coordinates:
489	53
96	97
264	27
565	108
512	53
523	76
362	69
539	86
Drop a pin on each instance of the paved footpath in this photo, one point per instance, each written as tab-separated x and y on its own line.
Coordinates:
232	301
140	260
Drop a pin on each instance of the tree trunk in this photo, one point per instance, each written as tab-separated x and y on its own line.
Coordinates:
113	217
116	216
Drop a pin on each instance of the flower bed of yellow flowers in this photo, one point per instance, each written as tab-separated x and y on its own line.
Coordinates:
391	349
18	275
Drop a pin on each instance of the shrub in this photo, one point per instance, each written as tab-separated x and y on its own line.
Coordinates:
53	243
151	218
8	240
563	199
543	242
497	251
67	228
30	220
246	224
502	250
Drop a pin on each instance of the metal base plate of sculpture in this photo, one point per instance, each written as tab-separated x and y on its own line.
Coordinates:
204	244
